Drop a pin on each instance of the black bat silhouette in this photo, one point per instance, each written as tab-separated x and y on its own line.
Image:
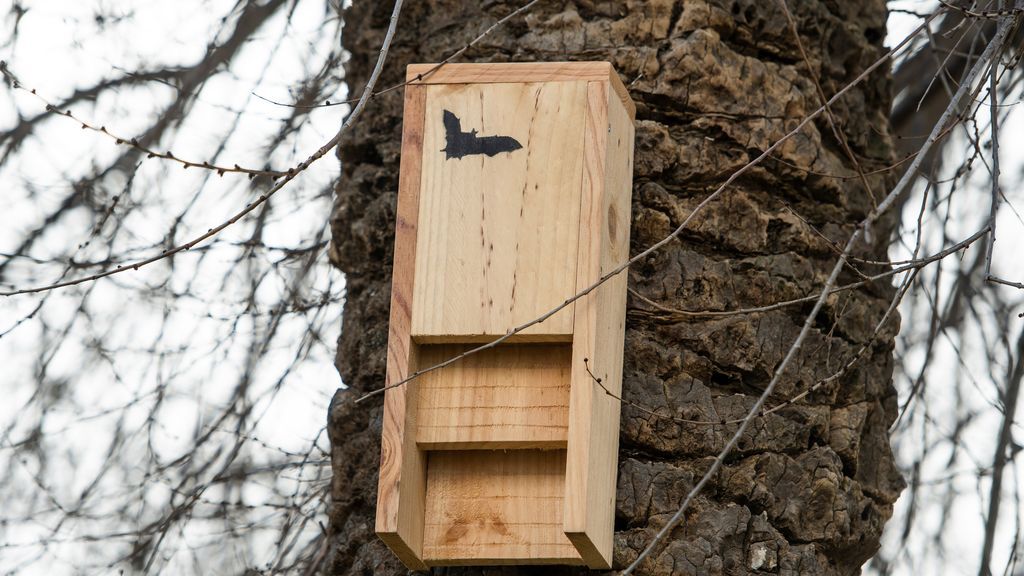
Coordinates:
459	143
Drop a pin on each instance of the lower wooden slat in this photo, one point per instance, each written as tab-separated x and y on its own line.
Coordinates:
514	396
496	507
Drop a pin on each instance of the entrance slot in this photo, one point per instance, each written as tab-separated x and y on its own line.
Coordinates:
510	396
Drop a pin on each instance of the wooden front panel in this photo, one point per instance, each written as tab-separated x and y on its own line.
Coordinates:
508	397
499	210
496	507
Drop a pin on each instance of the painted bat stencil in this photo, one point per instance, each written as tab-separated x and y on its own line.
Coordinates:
459	143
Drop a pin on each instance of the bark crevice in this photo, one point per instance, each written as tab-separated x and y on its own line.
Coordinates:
810	486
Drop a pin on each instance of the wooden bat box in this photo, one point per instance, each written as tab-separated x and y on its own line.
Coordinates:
514	195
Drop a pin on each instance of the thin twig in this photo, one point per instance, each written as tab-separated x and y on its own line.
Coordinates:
263	198
999	460
909	266
993	50
418	77
671	236
984	14
134	142
904	287
837	130
996	193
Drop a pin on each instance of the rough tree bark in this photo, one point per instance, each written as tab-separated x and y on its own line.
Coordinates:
716	82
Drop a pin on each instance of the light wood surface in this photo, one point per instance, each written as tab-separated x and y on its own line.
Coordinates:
483	244
402	483
599	329
497	243
498	72
494	507
506	397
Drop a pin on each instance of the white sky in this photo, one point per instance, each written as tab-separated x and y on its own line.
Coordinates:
60	49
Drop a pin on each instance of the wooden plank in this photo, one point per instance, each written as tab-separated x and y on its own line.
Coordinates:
488	73
497	244
506	397
503	72
528	337
402	484
592	451
485	242
493	507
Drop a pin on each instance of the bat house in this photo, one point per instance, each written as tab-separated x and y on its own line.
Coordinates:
514	195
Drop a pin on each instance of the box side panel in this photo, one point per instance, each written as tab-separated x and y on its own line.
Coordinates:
499	209
401	487
599	328
506	397
495	507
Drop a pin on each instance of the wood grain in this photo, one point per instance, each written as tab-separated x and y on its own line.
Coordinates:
489	73
497	244
402	484
599	329
493	507
507	397
484	243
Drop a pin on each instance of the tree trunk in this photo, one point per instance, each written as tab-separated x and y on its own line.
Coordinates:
810	486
